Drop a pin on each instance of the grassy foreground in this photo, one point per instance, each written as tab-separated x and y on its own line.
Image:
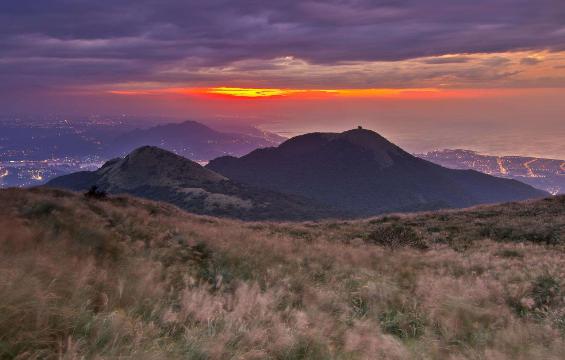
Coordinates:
128	278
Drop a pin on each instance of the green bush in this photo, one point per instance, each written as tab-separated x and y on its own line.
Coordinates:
542	235
546	291
359	306
397	235
403	324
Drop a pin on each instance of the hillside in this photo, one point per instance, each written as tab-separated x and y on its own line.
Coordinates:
131	278
157	174
361	172
194	140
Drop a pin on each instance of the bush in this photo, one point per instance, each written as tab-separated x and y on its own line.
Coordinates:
542	235
544	295
397	235
359	306
510	253
304	349
404	325
94	193
98	242
40	209
546	291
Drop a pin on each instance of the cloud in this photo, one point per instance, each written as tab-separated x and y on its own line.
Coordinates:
90	42
440	60
530	61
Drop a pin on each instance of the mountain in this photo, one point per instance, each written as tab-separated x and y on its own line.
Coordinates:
128	278
361	172
541	173
194	140
154	173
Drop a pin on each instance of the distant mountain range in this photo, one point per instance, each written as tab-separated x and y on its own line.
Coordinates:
157	174
362	173
318	175
30	156
194	140
544	174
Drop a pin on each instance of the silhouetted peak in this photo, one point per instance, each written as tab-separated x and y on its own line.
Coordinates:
363	139
148	150
306	143
194	125
153	155
150	164
369	140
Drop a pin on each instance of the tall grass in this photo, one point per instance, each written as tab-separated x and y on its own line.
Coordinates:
127	278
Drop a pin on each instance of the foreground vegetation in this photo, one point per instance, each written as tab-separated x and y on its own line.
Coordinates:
121	277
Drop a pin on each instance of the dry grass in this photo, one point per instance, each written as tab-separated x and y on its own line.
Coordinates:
82	278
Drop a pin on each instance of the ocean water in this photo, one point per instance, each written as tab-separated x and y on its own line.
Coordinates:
495	139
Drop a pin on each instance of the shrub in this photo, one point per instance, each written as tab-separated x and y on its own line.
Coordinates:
40	209
359	306
94	193
544	295
403	324
510	253
546	291
543	234
97	241
397	235
304	349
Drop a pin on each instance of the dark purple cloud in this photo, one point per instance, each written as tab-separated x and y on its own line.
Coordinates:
447	60
88	42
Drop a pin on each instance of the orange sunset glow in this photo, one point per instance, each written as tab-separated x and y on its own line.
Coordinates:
250	93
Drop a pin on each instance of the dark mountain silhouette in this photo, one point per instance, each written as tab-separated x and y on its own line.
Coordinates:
158	174
362	173
193	140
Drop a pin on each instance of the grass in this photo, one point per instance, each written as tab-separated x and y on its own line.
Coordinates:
129	278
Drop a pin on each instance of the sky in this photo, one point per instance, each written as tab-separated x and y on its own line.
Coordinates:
482	74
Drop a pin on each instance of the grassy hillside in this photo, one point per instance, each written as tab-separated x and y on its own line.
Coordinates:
131	278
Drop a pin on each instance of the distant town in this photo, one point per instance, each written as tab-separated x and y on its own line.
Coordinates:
34	149
545	174
25	173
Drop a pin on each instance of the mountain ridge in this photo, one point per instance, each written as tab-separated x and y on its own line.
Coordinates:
192	140
159	174
356	173
366	174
